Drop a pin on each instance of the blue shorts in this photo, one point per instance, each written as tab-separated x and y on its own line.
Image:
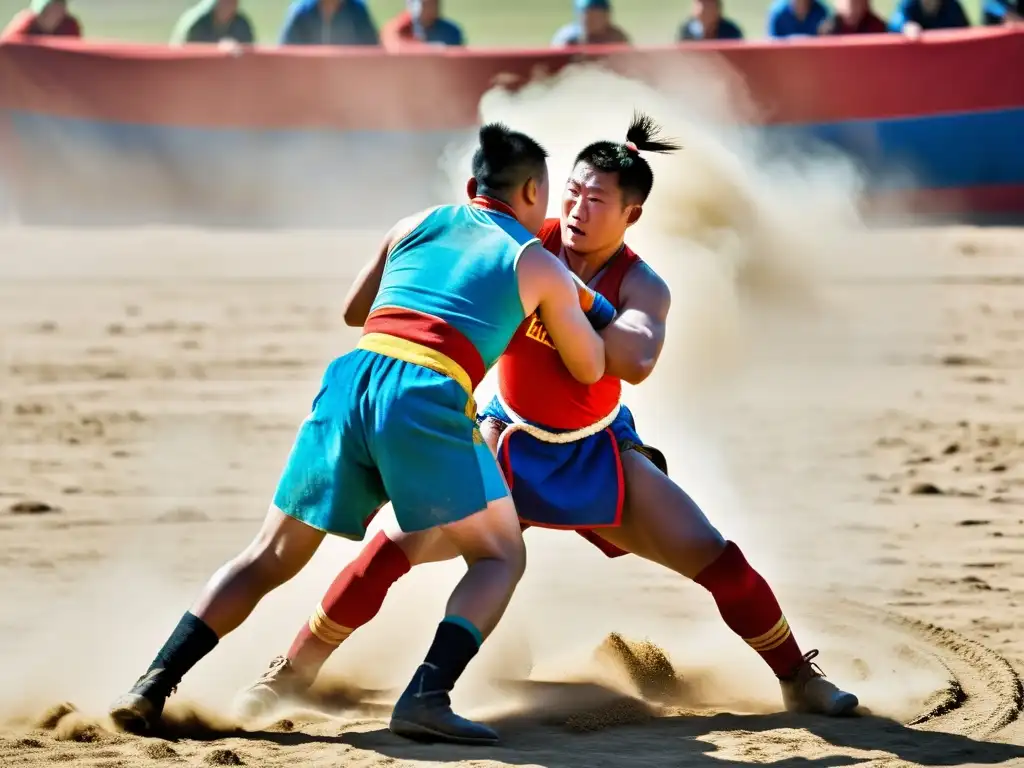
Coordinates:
381	430
577	486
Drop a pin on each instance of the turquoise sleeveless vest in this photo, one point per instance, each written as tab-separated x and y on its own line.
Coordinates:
459	265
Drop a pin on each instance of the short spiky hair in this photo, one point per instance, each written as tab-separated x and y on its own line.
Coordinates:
636	179
505	160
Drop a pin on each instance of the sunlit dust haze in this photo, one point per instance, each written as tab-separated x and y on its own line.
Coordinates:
757	238
753	232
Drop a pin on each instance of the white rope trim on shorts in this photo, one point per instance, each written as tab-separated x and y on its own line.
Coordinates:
517	422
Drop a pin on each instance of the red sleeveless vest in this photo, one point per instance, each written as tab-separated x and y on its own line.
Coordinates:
532	378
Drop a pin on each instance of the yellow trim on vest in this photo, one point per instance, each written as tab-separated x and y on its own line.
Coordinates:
418	354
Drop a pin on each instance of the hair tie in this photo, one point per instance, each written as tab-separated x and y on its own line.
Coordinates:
632	147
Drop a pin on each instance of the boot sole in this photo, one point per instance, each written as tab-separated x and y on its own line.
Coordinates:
422	733
845	706
129	720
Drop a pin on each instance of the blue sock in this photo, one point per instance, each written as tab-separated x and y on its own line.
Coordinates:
191	640
455	644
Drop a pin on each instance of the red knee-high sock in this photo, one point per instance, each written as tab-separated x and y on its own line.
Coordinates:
354	597
750	609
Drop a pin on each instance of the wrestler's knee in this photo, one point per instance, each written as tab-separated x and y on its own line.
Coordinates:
664	522
423	547
491	534
281	549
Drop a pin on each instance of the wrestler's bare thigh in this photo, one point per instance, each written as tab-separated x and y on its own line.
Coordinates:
661	523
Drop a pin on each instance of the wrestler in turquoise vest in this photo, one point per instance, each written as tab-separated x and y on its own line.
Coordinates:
470	282
385	406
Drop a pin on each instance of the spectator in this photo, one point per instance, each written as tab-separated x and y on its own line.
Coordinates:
707	23
914	16
213	21
791	18
421	22
996	12
855	17
593	26
44	17
329	22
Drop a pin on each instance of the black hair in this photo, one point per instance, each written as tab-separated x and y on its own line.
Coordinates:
505	160
636	179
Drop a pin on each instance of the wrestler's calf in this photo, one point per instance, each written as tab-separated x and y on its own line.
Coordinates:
750	609
353	599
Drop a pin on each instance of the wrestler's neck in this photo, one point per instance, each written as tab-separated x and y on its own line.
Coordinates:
586	265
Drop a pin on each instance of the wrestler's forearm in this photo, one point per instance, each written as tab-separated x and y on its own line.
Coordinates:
630	352
364	290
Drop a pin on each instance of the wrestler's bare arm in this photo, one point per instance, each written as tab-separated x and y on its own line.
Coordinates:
634	340
364	290
546	286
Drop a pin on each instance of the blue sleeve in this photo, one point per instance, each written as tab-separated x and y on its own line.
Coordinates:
960	16
291	32
823	16
457	35
564	36
246	32
900	17
735	33
366	30
995	8
775	25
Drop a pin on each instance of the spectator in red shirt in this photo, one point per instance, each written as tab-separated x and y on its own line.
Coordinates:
854	17
421	23
44	17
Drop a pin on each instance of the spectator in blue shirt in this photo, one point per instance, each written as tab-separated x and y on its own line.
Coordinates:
996	12
792	18
914	16
329	22
707	23
593	26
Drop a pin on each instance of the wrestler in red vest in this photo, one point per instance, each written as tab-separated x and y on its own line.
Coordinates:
531	377
574	459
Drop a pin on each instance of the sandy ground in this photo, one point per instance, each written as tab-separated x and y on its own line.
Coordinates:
151	385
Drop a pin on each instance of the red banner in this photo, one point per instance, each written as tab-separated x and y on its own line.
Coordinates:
811	81
83	117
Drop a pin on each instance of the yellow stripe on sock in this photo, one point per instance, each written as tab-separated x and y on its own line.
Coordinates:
326	630
773	638
785	636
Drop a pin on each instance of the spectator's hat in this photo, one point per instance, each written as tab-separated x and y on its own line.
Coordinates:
597	5
38	6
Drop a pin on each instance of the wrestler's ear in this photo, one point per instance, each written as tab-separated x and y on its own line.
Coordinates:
634	214
530	191
471	187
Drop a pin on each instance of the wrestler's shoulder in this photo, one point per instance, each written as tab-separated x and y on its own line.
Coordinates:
406	225
642	283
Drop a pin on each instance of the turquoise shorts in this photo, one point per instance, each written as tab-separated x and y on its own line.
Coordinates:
381	430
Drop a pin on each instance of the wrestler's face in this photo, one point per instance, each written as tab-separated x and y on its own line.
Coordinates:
594	217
